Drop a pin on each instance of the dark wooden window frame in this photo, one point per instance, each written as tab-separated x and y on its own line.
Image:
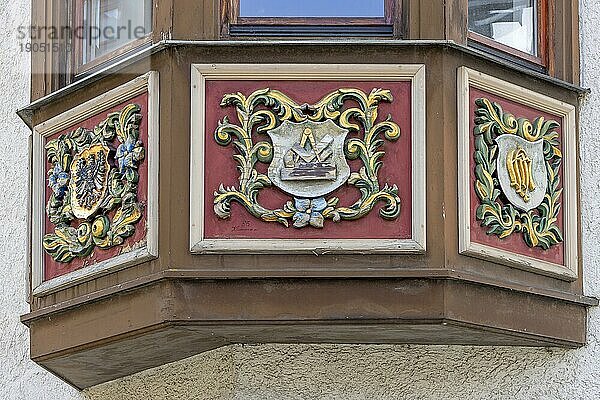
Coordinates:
411	19
234	25
77	54
544	19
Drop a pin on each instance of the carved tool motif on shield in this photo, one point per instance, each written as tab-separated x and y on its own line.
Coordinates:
307	148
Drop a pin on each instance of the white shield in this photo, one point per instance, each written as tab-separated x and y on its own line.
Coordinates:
308	158
522	171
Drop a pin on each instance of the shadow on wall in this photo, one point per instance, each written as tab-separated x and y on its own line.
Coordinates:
361	372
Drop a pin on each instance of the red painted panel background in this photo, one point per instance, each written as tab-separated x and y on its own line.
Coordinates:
221	167
52	268
513	243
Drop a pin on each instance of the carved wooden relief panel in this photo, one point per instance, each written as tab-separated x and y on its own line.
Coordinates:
94	187
518	186
302	158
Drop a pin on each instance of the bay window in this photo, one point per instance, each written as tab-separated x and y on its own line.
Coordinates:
156	110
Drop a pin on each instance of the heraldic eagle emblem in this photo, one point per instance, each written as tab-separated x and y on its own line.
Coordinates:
94	182
89	172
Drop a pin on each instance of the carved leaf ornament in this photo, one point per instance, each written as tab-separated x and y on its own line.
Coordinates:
517	175
308	155
94	186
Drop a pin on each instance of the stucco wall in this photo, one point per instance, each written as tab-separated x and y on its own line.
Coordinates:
300	372
19	377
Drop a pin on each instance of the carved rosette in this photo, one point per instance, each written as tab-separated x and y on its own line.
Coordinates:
308	154
94	180
517	175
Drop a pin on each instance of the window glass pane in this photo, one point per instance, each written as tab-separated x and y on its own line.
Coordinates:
513	23
110	24
312	8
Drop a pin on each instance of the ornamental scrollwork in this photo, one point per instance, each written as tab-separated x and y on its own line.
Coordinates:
307	155
517	175
93	177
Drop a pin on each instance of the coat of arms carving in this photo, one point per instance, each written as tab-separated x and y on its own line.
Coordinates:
93	177
522	171
517	175
308	158
308	154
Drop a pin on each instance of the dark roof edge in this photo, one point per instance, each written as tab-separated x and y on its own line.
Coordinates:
26	113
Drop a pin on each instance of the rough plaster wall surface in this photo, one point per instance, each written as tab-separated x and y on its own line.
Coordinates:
209	376
19	377
274	372
354	372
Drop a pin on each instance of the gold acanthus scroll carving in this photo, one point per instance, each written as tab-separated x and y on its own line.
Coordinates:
308	154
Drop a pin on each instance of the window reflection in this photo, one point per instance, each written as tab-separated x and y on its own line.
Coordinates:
111	24
512	23
312	8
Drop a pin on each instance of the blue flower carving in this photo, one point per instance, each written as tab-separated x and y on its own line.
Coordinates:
309	211
125	154
58	180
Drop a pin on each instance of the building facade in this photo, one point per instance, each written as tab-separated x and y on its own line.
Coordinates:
549	353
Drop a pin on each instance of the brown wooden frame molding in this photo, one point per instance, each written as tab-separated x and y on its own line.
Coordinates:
413	73
467	79
147	83
75	345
